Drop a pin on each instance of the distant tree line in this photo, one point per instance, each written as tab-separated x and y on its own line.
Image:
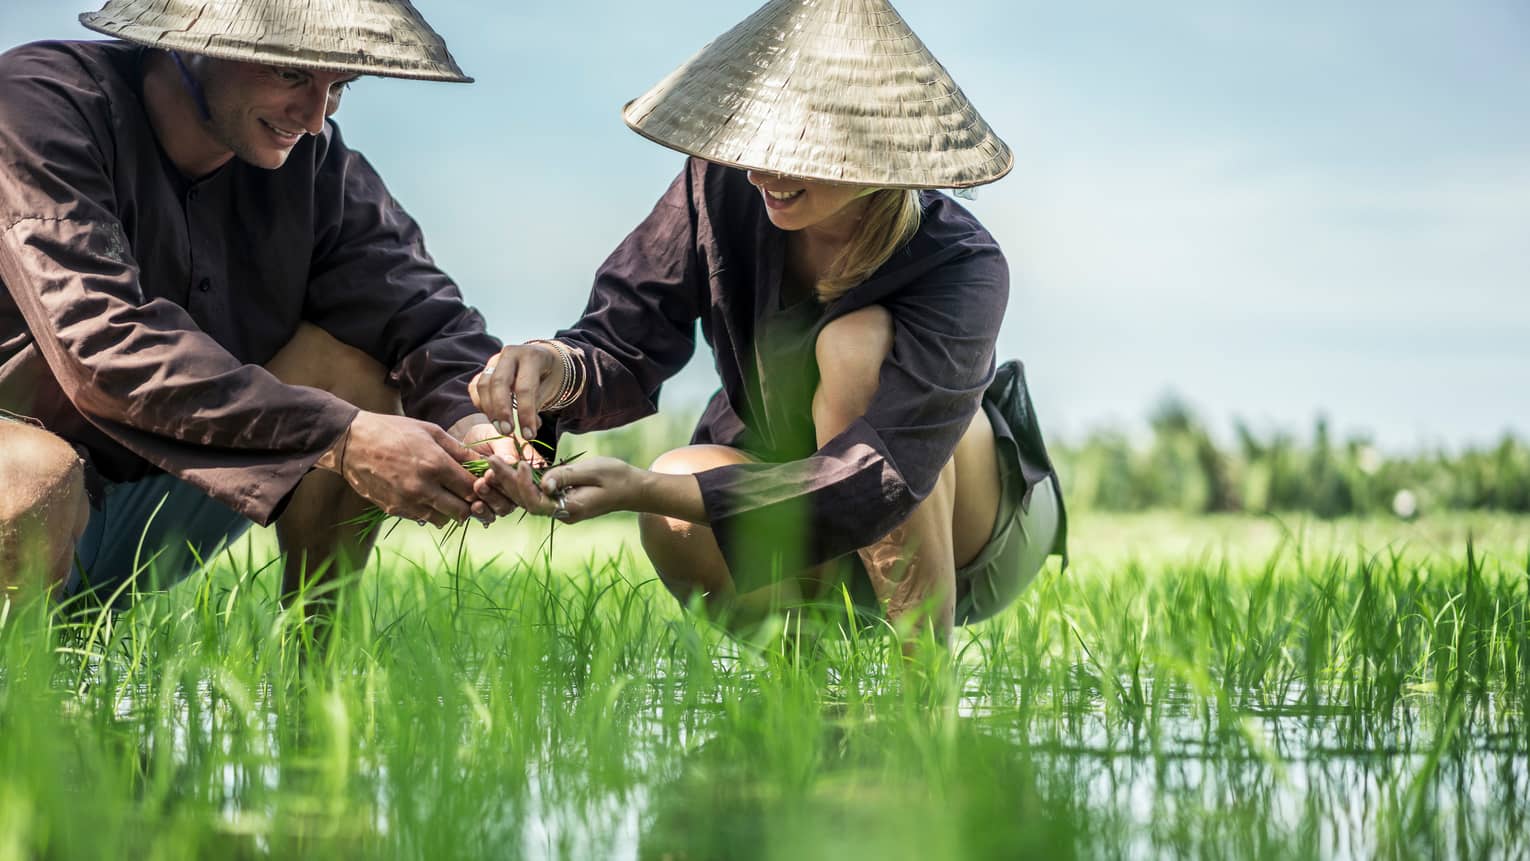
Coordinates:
1179	466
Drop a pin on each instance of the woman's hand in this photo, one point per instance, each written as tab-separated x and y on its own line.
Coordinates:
512	477
595	486
515	384
576	491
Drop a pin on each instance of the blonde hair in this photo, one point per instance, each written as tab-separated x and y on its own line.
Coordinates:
890	220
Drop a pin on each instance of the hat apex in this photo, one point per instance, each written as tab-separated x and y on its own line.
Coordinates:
833	90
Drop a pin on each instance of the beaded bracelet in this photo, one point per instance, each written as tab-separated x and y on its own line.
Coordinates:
571	387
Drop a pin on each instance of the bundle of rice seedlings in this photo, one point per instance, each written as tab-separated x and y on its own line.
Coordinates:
374	517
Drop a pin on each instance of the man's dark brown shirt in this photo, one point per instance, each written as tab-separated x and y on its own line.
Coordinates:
138	307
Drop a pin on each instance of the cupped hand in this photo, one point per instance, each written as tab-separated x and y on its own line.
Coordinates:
407	468
477	433
514	384
593	486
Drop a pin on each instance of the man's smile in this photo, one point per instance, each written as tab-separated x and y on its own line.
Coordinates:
287	137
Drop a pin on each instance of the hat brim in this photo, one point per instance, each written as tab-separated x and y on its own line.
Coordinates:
224	48
812	176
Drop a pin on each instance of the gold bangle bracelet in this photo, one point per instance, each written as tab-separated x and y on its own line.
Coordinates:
571	386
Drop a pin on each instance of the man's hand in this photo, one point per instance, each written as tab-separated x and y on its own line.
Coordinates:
405	467
515	384
477	433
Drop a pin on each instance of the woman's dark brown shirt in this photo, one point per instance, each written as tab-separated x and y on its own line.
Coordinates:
709	253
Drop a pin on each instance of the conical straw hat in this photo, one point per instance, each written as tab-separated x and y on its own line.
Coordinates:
833	90
369	37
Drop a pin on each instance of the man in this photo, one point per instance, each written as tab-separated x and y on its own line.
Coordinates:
213	312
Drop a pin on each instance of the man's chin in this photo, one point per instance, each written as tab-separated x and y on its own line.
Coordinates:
268	159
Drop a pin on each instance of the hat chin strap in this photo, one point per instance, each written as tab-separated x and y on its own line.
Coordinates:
193	87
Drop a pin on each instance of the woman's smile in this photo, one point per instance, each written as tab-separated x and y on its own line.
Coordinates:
779	200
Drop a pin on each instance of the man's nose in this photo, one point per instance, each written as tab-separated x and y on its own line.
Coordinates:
312	109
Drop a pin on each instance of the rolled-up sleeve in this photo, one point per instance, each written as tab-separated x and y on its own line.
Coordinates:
139	369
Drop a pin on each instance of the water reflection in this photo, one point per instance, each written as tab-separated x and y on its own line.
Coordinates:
293	772
1274	786
868	790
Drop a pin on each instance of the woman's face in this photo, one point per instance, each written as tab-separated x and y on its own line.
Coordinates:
795	204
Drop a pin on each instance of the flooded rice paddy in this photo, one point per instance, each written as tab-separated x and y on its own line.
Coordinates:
1351	691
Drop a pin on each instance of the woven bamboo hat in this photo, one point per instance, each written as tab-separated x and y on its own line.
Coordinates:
834	90
369	37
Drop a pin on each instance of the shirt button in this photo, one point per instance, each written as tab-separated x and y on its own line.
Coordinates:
192	194
205	285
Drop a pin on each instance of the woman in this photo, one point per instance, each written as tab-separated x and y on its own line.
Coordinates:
852	318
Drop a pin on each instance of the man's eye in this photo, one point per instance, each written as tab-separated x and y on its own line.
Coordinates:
291	76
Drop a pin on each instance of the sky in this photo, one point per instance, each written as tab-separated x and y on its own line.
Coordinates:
1275	211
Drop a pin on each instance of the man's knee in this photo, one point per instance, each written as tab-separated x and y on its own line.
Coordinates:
319	360
37	468
44	510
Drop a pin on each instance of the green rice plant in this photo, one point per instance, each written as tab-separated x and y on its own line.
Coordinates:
373	519
1307	700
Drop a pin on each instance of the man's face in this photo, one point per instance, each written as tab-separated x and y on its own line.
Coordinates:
261	112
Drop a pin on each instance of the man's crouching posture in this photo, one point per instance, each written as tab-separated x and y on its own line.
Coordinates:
213	312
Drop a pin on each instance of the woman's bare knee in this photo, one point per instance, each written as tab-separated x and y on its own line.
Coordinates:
850	351
691	459
685	555
672	549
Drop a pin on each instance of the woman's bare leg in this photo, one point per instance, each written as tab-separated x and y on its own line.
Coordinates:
686	556
913	568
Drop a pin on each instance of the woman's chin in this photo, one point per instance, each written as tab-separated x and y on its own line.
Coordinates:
783	220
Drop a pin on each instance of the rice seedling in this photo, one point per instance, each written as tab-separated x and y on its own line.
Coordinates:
1324	697
374	518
